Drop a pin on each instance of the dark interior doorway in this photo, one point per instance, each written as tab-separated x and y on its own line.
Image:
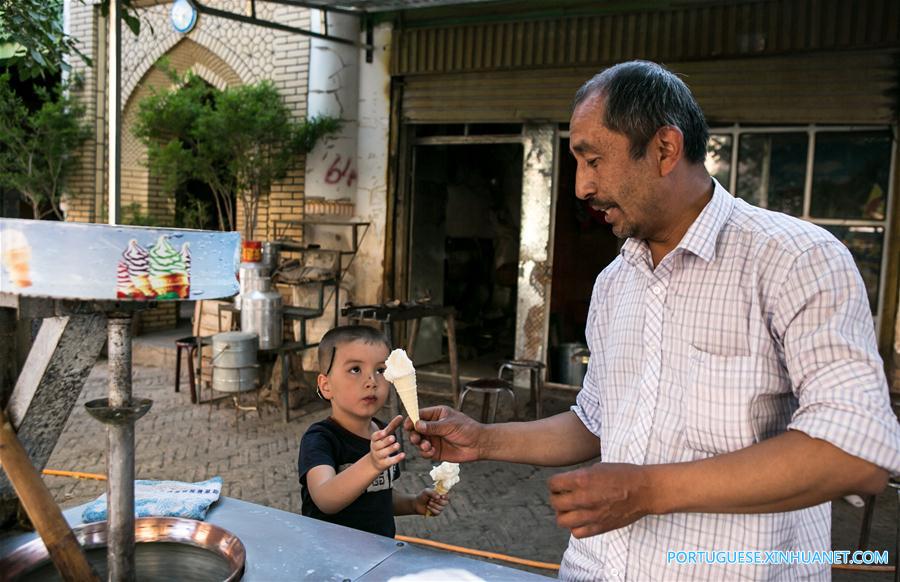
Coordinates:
464	248
583	244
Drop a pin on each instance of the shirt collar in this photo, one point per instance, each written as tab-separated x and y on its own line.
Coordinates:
701	237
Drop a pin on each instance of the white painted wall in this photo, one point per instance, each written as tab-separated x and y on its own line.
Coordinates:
331	168
373	150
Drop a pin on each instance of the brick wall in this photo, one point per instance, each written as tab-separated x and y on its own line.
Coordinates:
86	184
222	52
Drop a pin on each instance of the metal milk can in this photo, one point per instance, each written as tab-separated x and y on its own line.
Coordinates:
262	313
250	275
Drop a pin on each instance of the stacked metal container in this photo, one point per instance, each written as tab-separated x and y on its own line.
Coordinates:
234	361
262	312
249	275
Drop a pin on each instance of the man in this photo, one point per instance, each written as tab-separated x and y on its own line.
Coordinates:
734	385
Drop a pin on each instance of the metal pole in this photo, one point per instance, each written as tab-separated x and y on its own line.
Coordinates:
115	107
120	459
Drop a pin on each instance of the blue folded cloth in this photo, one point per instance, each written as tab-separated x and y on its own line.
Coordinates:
164	499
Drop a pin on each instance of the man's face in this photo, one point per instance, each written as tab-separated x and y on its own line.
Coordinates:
607	177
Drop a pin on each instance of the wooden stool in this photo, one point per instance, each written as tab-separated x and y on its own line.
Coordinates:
867	524
190	345
490	387
535	378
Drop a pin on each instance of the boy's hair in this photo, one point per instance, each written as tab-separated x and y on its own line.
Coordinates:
346	334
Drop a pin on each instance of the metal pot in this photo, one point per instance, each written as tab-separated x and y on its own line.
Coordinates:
250	275
235	379
270	256
262	312
166	548
234	349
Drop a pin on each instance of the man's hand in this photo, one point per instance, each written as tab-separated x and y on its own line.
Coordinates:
384	446
444	434
600	498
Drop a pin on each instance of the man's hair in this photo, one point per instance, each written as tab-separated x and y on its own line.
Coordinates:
639	98
346	334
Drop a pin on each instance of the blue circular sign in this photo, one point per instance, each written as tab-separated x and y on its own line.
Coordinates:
183	16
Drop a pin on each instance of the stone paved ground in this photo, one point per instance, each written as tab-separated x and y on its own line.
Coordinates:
497	507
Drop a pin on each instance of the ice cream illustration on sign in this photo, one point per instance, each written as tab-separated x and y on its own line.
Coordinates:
399	370
163	273
16	255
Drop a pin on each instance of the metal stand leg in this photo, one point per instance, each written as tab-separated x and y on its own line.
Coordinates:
285	371
120	462
866	523
454	362
119	412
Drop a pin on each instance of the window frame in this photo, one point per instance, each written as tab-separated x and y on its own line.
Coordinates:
812	130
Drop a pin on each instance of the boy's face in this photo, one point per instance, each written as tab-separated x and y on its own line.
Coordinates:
356	386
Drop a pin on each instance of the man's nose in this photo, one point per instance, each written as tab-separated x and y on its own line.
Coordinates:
585	184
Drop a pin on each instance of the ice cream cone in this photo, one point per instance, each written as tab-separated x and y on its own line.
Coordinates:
171	286
406	389
143	285
445	476
168	273
17	264
439	489
16	257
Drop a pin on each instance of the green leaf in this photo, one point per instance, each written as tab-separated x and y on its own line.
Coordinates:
10	50
133	22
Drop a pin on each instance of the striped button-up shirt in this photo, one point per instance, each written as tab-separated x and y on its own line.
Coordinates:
754	324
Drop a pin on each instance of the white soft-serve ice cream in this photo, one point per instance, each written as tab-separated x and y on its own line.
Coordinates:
445	476
400	371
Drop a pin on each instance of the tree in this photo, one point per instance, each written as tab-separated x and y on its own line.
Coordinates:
252	132
37	149
238	141
32	38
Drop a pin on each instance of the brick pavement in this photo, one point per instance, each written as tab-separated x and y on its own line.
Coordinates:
498	507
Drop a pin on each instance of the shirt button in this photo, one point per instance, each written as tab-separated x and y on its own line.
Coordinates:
614	572
657	290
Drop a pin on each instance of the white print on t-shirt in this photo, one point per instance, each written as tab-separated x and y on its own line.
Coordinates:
381	482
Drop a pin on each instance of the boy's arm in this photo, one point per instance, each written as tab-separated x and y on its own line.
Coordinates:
332	491
404	503
423	503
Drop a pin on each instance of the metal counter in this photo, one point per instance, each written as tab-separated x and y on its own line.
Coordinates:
286	546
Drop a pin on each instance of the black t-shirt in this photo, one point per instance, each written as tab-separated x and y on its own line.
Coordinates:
328	443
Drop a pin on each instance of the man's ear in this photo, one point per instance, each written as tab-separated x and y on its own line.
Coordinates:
669	146
322	387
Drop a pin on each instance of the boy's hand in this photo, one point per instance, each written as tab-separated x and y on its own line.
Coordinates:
384	445
428	501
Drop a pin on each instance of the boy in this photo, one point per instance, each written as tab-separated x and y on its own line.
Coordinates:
348	462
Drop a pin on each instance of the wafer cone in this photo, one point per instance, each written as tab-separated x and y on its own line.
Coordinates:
439	489
406	389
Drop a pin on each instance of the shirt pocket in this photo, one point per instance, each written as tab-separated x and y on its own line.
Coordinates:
719	392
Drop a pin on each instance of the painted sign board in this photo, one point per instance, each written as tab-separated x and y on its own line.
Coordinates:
67	260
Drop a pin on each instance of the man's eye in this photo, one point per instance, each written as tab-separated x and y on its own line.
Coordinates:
593	162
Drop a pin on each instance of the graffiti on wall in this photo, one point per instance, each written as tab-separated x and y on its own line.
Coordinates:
341	171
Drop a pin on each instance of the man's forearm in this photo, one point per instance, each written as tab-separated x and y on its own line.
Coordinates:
788	472
552	442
